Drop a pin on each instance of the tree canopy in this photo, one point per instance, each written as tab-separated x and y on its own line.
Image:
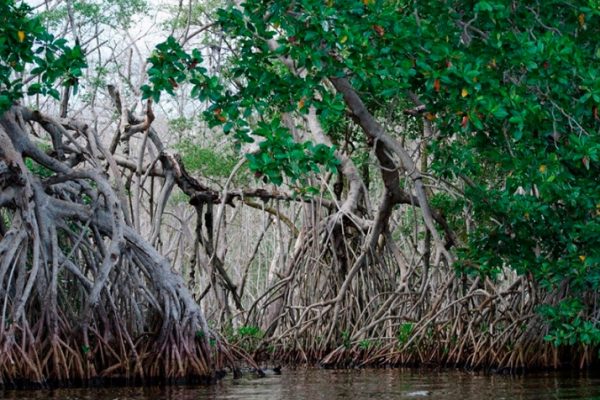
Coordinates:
511	91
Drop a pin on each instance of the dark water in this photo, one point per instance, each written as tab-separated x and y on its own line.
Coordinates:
354	384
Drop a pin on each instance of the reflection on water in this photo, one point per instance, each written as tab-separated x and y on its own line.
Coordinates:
353	384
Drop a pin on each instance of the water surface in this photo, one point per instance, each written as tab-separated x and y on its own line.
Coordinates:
382	384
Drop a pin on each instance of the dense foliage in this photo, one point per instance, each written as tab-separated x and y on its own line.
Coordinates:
512	89
24	42
279	153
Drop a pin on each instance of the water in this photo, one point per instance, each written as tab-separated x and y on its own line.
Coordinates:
353	384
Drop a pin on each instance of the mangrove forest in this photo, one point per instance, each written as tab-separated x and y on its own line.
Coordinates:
193	188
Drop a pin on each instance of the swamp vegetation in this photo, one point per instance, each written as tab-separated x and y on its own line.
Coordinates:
193	186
